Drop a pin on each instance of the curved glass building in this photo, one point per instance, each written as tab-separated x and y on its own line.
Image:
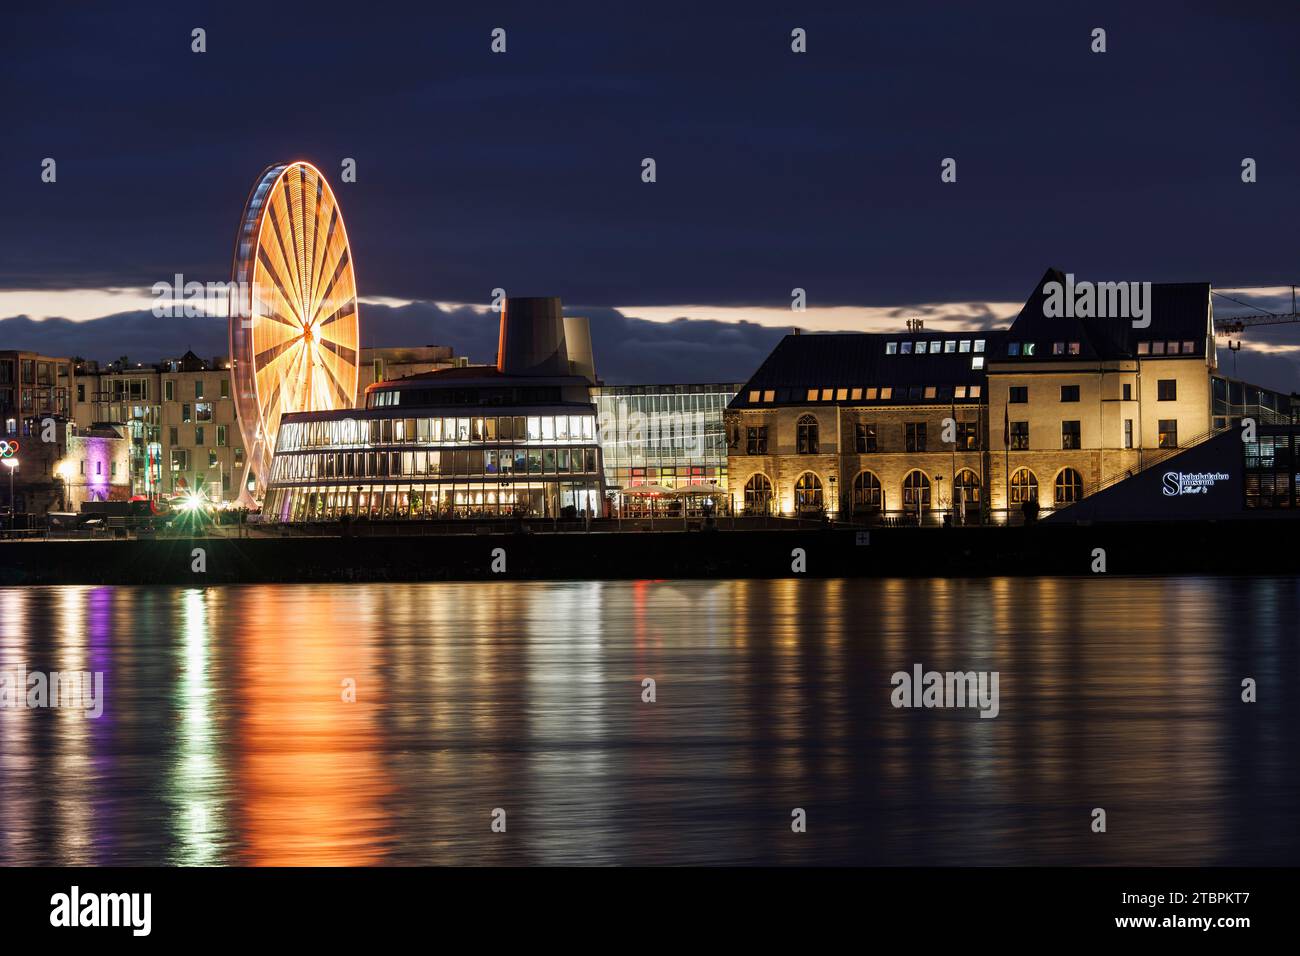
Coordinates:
516	439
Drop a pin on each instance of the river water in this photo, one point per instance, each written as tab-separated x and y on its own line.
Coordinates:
373	724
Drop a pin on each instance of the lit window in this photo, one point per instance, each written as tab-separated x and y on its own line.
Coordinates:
1157	348
1069	487
907	348
891	348
827	393
974	391
1143	348
949	346
886	393
1027	349
1074	348
1173	348
812	394
960	392
871	394
977	362
841	394
1189	348
807	429
754	396
964	345
856	395
1013	348
769	395
929	391
920	348
979	345
1058	348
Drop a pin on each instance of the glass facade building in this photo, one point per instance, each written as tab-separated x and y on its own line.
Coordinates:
457	443
669	435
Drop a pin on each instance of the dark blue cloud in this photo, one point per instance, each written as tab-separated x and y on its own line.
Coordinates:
775	170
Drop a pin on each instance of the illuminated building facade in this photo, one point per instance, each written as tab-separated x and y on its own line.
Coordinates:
669	435
178	416
33	384
386	364
77	466
977	424
515	439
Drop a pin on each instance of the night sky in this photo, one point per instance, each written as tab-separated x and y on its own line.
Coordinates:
523	170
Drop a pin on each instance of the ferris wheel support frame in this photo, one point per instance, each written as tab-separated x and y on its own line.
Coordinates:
245	313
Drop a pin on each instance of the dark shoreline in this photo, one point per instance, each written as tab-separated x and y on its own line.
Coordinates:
1226	548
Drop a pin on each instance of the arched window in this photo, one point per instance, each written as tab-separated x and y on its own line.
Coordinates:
1024	487
808	492
808	438
967	487
867	493
1069	486
916	490
758	493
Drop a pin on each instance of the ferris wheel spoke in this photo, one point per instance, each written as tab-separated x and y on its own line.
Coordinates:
345	310
279	286
298	194
315	240
318	268
267	356
342	351
344	262
291	252
333	380
284	255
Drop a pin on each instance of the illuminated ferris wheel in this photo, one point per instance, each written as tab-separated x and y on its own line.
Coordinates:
294	335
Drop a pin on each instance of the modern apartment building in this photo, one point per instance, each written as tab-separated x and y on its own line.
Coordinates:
179	417
33	384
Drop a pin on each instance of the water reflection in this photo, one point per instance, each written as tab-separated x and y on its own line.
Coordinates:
356	725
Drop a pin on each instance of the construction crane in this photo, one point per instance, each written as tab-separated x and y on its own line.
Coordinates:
1236	324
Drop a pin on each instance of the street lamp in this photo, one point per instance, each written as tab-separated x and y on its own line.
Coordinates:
12	465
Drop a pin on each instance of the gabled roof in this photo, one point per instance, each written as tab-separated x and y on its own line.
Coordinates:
853	360
1179	312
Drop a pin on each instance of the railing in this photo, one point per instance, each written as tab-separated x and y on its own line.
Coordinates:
1157	456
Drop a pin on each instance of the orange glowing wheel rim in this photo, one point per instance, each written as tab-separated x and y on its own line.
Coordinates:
294	337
